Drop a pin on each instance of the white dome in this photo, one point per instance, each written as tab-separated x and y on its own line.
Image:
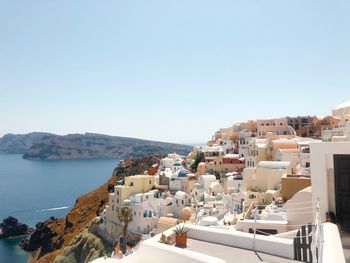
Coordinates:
342	105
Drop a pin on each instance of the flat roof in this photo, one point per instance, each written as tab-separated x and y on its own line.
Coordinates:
233	254
274	165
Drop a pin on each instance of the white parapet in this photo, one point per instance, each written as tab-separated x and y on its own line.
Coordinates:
331	246
265	244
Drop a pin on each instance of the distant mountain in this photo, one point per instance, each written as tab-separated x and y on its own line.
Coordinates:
19	143
48	146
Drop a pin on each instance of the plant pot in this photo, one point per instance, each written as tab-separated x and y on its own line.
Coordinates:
181	240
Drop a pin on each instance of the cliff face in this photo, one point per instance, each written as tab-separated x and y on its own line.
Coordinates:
52	236
19	143
87	146
84	248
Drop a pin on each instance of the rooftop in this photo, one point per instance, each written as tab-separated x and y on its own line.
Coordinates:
284	141
273	165
230	155
289	150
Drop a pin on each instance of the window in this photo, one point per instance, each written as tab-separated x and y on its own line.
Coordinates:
267	124
281	123
117	201
117	192
132	184
150	182
262	124
112	207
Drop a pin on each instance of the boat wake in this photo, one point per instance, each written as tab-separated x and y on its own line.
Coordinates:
53	209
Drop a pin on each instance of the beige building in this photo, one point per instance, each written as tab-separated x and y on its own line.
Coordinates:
283	143
222	165
262	184
268	174
133	185
292	183
257	152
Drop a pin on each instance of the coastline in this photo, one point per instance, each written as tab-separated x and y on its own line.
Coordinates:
44	185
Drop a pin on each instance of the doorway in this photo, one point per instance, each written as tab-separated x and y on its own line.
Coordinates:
342	189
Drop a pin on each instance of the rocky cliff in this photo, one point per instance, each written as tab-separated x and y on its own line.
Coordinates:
51	237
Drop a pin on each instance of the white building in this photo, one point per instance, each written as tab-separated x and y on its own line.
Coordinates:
205	180
227	146
342	132
182	200
288	155
330	173
243	144
168	161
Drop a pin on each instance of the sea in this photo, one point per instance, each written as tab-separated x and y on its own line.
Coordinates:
35	190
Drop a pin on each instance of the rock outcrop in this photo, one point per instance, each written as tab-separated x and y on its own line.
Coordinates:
10	227
52	237
84	248
44	237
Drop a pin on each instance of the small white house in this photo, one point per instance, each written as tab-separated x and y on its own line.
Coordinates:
205	180
182	200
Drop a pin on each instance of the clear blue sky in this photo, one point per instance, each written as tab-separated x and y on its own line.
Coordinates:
168	70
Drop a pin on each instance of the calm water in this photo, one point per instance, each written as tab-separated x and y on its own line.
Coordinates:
32	191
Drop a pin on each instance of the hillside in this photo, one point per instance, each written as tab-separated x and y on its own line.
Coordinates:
19	143
47	146
51	237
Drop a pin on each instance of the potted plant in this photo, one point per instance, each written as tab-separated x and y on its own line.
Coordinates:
181	235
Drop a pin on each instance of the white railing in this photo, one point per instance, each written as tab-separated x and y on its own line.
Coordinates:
317	238
316	235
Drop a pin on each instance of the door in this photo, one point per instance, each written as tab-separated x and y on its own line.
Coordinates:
342	189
